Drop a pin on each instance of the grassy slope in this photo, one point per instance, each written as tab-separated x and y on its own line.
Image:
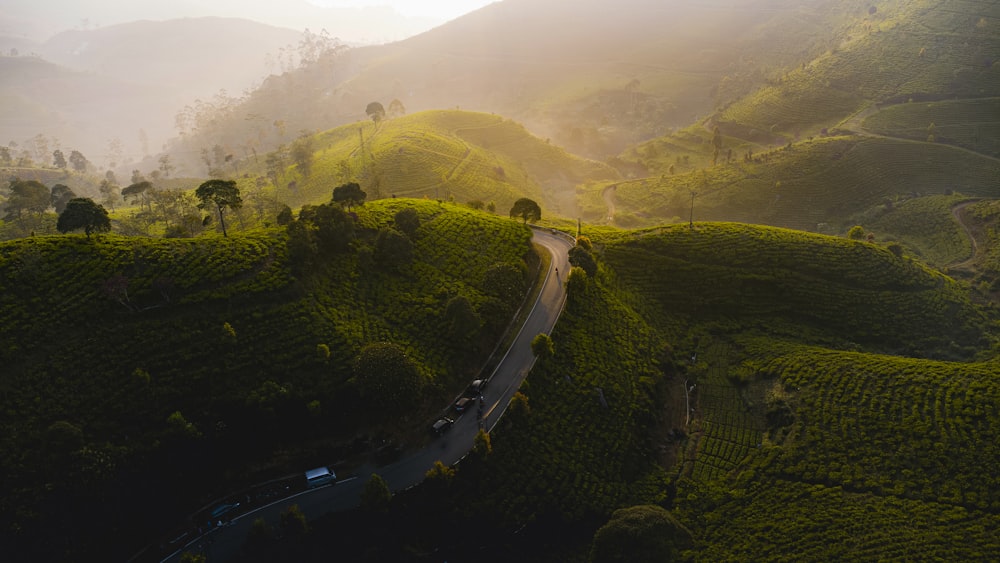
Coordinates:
914	50
873	435
814	185
442	154
971	124
927	47
787	281
924	225
71	352
884	454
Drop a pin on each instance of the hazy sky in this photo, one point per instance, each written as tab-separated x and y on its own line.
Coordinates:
352	20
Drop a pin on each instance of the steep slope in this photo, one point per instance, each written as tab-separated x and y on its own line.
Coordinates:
127	358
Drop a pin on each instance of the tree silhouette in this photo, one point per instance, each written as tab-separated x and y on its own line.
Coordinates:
527	209
222	194
349	194
376	112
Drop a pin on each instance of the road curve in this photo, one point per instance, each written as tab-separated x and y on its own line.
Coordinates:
224	542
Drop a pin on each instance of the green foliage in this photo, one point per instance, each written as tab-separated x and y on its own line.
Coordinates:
542	346
349	195
440	474
393	249
579	257
644	533
965	123
222	194
857	232
462	320
83	213
925	226
293	522
75	341
408	221
386	377
816	185
785	281
376	495
577	282
568	455
526	209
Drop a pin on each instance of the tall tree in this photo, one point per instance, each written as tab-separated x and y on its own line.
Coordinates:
26	196
78	161
526	209
60	196
59	159
138	192
83	213
396	108
223	194
302	153
376	112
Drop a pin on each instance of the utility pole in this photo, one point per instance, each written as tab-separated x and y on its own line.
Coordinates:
691	219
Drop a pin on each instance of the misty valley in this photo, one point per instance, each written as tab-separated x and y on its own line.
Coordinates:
552	281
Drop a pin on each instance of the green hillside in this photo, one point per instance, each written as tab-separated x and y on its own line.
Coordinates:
804	443
877	457
795	283
815	185
152	352
904	50
972	124
925	226
445	155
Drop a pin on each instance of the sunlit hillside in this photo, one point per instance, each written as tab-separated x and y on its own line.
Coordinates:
443	155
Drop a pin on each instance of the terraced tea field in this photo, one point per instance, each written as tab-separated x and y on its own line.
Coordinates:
972	124
730	432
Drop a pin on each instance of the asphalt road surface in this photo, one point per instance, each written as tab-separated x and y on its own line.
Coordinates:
451	446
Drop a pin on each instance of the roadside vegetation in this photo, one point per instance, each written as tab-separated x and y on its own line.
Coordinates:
221	349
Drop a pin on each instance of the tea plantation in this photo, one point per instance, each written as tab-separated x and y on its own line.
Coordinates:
205	364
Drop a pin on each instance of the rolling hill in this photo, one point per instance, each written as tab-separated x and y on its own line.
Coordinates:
457	155
805	440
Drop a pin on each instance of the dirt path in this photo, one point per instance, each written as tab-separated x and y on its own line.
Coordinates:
608	194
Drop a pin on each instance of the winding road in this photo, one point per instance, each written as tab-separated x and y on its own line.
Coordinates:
225	542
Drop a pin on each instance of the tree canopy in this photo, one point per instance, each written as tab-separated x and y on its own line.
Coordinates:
26	196
386	376
349	195
375	111
640	534
527	209
83	213
222	194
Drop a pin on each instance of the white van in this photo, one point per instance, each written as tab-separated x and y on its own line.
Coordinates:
319	477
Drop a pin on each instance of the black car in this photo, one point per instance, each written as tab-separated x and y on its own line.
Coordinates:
442	424
464	403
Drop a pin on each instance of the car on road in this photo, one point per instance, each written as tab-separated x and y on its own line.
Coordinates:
465	403
476	387
442	424
319	477
223	509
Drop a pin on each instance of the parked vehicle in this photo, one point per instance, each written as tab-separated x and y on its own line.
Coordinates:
476	387
442	424
319	477
464	403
